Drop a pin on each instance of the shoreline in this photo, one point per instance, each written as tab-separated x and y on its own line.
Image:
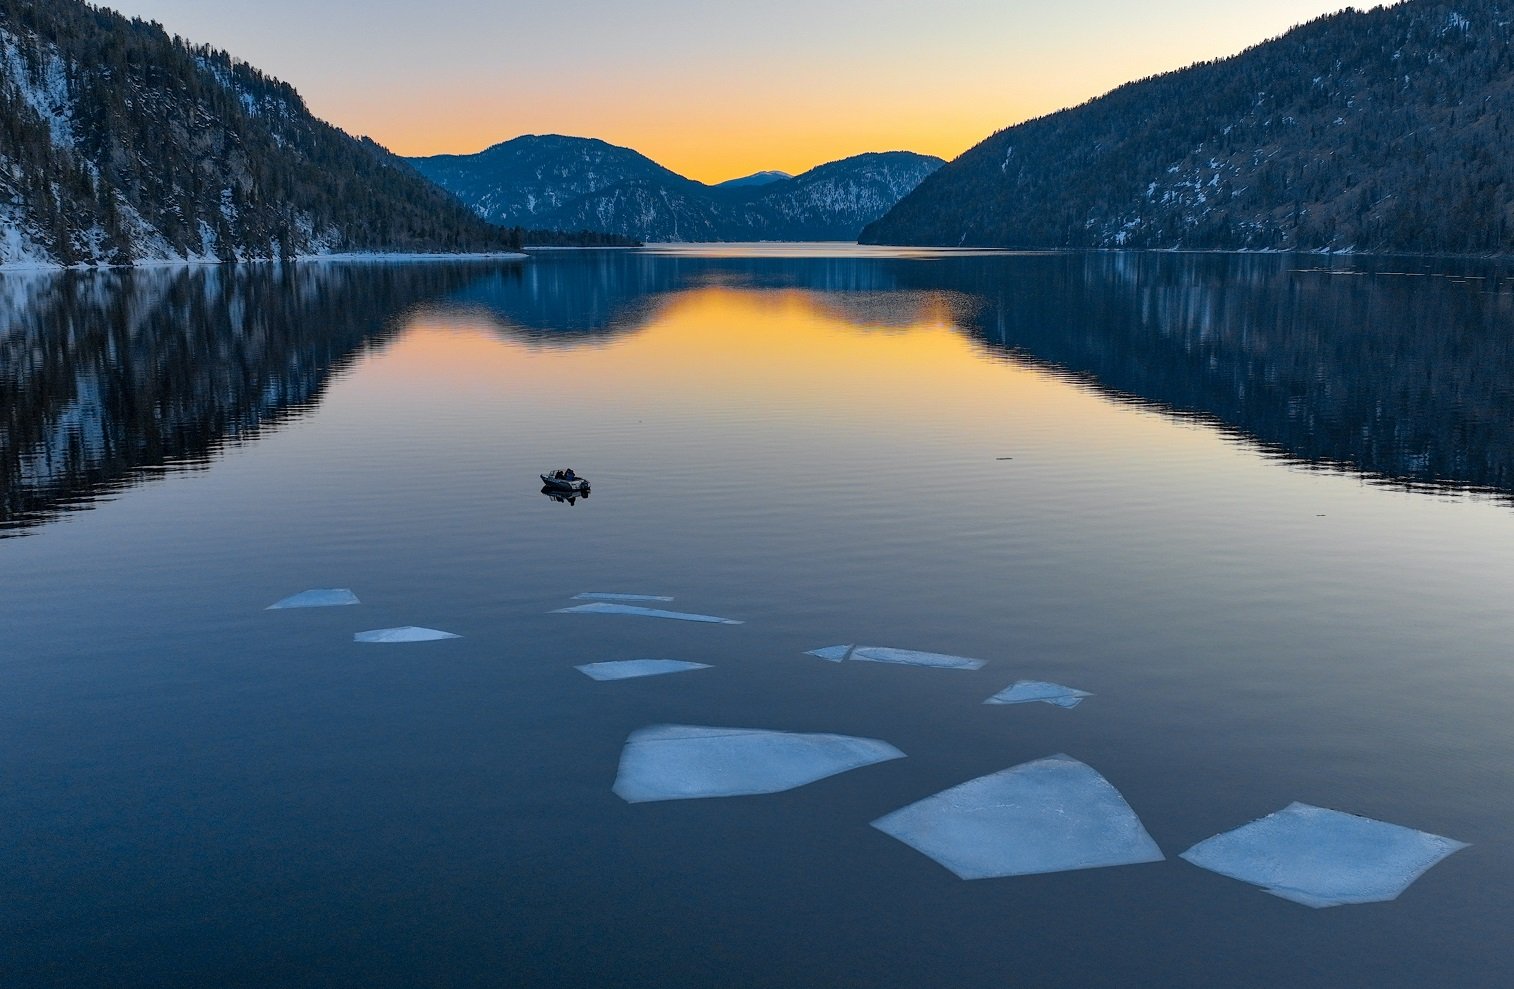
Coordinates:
675	247
373	257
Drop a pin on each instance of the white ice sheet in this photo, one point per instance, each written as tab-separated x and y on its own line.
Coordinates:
1027	691
904	657
321	597
1323	858
606	608
1051	815
681	762
627	669
408	633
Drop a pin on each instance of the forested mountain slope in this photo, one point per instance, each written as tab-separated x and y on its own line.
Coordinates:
575	183
1385	130
119	143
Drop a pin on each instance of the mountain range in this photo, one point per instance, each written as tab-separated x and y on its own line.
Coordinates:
120	144
1385	130
574	183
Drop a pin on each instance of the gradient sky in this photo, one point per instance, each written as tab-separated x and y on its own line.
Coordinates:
710	89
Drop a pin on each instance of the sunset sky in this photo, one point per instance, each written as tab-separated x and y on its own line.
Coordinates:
713	90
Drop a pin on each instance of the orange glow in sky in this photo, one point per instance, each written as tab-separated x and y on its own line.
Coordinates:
714	90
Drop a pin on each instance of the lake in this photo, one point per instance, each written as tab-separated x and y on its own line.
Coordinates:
1261	508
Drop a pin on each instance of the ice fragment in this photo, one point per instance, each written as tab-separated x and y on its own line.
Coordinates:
1025	691
627	669
680	762
409	633
833	654
1323	858
1050	815
607	596
321	597
605	608
909	657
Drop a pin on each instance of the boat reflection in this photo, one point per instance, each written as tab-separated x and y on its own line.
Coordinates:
570	497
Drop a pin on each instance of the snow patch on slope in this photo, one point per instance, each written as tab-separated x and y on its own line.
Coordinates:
42	87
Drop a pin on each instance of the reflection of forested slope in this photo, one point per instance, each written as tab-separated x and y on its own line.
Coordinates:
558	299
1407	375
561	299
103	374
1408	378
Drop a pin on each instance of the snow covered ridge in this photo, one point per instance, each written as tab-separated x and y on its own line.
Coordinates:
183	154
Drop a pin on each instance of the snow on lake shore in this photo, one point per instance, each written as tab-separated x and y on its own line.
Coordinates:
22	266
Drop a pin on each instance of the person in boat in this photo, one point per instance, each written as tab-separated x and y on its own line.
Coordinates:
568	473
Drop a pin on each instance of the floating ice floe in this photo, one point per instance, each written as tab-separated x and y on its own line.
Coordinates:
606	608
409	633
321	597
627	669
1323	858
1026	691
608	596
681	762
905	657
1051	815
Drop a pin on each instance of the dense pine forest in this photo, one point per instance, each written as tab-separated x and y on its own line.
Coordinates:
119	143
1385	130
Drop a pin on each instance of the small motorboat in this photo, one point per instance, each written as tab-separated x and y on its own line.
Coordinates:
564	479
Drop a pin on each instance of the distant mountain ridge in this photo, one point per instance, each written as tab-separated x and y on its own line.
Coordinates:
575	183
120	144
1385	130
756	178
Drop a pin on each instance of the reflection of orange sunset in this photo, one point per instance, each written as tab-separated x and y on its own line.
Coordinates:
790	354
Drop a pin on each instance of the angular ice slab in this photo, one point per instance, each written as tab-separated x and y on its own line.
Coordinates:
681	762
1051	815
409	633
605	608
608	596
1323	858
627	669
321	597
905	657
1026	691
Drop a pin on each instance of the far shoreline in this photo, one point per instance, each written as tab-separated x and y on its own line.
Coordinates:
373	257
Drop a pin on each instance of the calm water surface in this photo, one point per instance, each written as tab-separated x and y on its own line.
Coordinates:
1261	507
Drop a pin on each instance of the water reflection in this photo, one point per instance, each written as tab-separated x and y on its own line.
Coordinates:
1402	372
108	378
1407	380
565	497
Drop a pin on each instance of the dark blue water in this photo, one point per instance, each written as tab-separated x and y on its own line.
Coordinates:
1259	506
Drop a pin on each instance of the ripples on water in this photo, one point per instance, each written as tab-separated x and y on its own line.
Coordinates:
1258	506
